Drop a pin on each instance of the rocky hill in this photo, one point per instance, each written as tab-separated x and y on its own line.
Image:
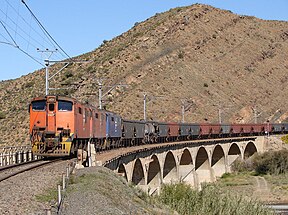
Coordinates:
211	61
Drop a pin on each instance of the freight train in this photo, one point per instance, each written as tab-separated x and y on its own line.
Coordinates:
59	126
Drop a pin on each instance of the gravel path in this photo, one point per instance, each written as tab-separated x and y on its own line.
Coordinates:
18	194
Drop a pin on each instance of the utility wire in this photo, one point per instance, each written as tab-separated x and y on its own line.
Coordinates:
42	27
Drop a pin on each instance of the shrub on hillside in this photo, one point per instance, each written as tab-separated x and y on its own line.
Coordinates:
2	115
285	139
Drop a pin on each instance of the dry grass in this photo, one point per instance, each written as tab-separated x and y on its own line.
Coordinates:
210	200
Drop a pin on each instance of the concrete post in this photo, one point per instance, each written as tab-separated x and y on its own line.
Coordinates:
29	155
19	157
14	158
63	181
7	159
93	154
10	157
67	172
24	156
48	211
59	195
89	154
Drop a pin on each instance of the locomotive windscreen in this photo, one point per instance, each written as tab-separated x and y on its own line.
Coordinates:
39	105
65	105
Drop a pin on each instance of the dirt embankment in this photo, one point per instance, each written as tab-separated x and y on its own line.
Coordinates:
96	190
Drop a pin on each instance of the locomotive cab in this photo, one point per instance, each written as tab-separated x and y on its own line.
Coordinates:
51	122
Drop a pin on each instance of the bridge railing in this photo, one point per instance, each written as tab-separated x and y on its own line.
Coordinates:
10	155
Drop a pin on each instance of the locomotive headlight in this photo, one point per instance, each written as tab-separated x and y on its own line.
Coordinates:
51	99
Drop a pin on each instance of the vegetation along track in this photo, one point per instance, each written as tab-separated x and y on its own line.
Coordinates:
12	170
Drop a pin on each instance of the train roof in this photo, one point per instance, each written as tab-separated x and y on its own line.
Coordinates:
66	98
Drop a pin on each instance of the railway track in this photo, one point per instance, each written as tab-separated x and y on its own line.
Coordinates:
13	170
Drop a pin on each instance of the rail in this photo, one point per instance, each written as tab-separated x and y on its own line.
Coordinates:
13	170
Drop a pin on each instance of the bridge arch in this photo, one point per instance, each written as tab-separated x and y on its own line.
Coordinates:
250	149
186	168
234	153
138	177
122	171
218	163
202	166
154	174
170	168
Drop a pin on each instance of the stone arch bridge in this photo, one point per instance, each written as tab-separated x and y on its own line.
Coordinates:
192	162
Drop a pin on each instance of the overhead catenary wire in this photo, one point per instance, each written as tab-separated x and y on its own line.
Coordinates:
28	24
18	33
17	36
9	34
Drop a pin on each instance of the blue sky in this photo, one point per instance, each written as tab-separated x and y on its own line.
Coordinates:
81	26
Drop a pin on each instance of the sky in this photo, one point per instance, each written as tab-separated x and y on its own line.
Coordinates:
81	26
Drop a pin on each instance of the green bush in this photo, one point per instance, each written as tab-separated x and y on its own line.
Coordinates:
181	55
29	84
2	115
68	74
285	139
271	162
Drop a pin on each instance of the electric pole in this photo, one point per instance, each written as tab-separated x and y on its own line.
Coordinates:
48	53
101	95
219	115
144	100
183	110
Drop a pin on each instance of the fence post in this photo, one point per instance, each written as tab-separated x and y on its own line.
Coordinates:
7	158
14	157
29	155
63	181
67	171
10	156
48	211
24	156
19	157
59	195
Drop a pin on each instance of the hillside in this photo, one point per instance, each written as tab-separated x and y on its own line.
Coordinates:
207	58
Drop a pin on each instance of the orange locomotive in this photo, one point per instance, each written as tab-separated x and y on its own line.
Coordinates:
61	125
